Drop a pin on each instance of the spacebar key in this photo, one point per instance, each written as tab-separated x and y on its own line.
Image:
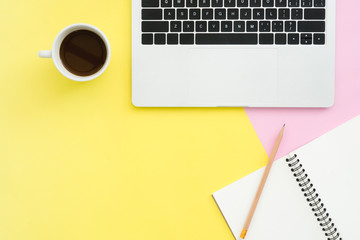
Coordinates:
229	38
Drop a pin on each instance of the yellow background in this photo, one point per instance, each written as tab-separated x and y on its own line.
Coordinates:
78	161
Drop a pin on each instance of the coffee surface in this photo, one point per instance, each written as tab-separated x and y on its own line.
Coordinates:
83	52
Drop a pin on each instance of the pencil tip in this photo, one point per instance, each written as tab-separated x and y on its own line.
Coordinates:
284	125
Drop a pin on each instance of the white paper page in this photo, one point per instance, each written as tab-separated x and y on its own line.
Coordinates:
332	163
282	211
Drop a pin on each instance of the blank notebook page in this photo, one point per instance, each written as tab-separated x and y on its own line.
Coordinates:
332	163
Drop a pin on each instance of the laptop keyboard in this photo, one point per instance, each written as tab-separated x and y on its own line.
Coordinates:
233	22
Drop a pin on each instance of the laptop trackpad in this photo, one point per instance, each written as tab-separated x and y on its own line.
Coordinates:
232	77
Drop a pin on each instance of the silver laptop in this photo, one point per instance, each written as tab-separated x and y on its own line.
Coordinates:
228	53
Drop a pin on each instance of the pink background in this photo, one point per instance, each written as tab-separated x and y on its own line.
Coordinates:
303	125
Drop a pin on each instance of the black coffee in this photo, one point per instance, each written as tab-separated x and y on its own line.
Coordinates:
83	52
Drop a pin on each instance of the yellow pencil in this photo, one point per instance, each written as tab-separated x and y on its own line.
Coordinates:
262	183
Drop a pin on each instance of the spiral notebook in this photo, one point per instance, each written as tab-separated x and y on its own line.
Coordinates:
313	193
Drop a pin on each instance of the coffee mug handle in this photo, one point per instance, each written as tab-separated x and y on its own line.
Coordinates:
45	54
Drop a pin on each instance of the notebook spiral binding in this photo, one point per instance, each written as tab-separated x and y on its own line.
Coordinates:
313	198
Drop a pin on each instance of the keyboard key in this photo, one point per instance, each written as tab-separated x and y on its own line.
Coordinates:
228	38
293	39
169	14
258	13
311	26
201	26
319	39
172	39
166	3
154	26
319	3
194	14
280	38
188	26
187	38
271	13
233	13
226	26
179	3
296	13
150	3
264	26
160	39
245	13
191	3
312	13
147	39
255	3
182	14
306	3
268	3
293	3
151	14
229	3
266	38
207	13
239	26
290	26
284	13
175	26
220	13
251	26
277	26
242	3
217	3
204	3
306	39
280	3
214	26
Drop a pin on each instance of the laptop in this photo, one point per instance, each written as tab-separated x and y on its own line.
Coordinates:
233	53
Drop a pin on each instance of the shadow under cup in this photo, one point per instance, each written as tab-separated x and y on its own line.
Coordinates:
83	52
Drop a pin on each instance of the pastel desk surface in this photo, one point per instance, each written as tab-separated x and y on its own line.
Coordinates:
79	161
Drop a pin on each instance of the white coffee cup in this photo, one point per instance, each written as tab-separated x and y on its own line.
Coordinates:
55	52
